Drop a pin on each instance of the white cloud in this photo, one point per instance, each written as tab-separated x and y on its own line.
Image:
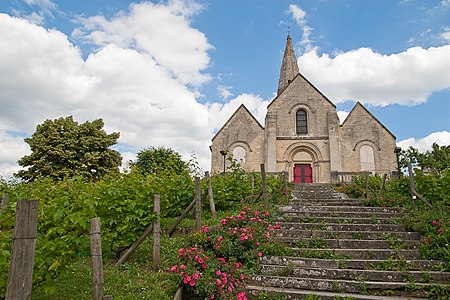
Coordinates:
220	113
136	92
441	138
446	34
161	31
225	91
342	115
406	78
299	16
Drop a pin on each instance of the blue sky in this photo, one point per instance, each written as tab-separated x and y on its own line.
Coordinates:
172	72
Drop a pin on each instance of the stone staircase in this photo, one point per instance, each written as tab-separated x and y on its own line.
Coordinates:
344	250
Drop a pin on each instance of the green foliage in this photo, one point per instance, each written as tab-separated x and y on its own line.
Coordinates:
124	202
160	160
435	161
62	148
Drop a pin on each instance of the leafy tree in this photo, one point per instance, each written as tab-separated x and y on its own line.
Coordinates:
155	160
63	148
435	161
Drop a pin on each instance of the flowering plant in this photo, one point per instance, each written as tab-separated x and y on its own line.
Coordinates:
215	268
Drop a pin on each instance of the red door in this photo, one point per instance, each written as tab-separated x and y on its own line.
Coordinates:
302	173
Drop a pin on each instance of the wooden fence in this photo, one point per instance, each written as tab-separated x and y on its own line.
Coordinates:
25	234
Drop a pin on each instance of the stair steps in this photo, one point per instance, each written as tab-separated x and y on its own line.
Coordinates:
345	249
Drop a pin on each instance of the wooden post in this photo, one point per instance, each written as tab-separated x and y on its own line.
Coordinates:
4	203
156	233
367	184
20	276
411	179
264	185
212	206
97	261
198	204
383	182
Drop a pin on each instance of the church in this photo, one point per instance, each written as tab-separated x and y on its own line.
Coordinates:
303	136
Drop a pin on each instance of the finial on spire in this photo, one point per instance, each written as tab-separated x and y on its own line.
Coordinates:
289	30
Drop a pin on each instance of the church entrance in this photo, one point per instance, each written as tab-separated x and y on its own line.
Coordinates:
302	173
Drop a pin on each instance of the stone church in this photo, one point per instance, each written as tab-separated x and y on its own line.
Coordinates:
303	136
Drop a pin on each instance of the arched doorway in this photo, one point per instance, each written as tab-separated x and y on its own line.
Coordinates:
302	167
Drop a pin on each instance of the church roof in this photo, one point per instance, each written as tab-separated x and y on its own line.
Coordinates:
359	105
245	110
289	66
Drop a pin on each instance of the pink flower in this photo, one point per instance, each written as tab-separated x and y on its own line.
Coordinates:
257	213
223	221
218	281
218	272
200	261
220	238
204	266
195	276
192	283
181	251
182	267
257	243
259	254
434	222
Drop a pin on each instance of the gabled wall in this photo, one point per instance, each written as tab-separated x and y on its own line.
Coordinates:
362	128
242	129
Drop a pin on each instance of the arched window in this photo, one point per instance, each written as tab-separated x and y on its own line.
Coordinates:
367	158
302	122
239	155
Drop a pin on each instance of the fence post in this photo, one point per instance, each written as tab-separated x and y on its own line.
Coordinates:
212	206
20	277
264	185
4	203
411	179
198	204
156	233
285	175
367	185
97	261
383	182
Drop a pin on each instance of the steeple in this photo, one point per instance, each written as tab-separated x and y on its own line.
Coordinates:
289	67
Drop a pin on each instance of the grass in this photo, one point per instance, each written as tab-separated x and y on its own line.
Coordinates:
132	280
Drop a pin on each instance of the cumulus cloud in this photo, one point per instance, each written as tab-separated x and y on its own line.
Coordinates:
159	30
219	113
134	89
406	78
441	138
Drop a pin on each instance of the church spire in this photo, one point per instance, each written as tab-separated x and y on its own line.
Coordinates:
289	67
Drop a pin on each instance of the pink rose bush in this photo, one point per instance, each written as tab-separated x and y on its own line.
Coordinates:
216	267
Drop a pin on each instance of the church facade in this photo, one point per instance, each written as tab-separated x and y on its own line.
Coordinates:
303	136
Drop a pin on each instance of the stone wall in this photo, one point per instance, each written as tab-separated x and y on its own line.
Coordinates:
241	130
362	128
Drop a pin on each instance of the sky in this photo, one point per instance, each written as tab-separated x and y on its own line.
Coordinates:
170	73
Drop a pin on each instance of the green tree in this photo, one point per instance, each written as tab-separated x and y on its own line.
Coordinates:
63	148
154	160
435	161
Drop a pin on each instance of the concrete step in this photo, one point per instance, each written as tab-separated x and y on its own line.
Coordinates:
339	220
358	275
255	291
326	202
350	243
287	211
341	227
378	254
357	235
347	286
339	209
371	264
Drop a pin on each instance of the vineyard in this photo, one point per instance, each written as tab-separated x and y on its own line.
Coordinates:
124	203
